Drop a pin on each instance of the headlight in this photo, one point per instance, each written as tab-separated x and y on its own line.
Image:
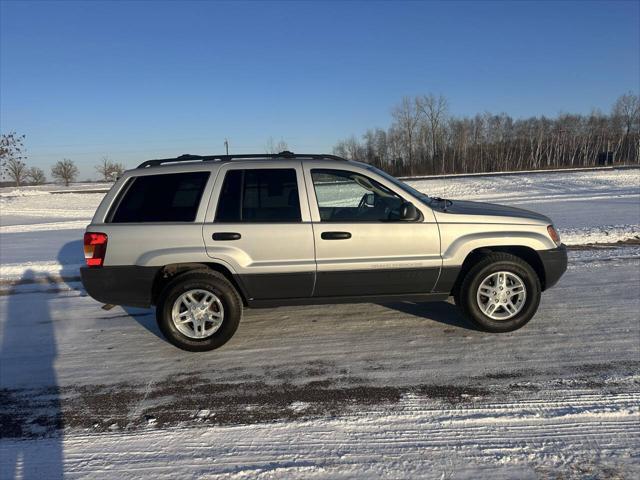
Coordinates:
553	234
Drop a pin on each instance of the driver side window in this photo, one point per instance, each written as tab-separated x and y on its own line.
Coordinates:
345	196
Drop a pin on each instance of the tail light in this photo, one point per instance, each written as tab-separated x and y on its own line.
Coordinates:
95	248
553	234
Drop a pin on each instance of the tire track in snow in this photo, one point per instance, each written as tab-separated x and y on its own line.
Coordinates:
413	439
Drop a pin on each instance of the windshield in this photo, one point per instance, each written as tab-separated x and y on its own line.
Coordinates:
401	185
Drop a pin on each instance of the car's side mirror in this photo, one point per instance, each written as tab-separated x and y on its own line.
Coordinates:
409	213
370	199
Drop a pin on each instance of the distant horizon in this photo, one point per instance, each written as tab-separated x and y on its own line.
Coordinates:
139	80
82	181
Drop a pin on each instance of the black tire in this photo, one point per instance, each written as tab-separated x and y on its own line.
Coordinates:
204	280
466	299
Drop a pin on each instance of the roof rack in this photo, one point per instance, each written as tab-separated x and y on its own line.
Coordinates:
227	158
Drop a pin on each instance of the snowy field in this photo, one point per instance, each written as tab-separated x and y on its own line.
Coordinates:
371	391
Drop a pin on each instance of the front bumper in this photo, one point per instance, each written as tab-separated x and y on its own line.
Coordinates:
554	262
122	285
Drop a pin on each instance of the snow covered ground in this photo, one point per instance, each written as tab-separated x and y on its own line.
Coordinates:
587	207
372	391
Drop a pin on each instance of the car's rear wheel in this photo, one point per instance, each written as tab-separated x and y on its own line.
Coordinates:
199	311
501	293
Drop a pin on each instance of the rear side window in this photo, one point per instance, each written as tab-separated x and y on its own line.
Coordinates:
259	195
174	197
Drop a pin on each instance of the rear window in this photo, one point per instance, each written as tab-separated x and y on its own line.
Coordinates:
174	197
259	195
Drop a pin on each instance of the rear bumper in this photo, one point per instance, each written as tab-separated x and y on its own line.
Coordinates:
554	262
127	285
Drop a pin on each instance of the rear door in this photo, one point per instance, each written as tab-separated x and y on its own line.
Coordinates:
362	247
258	224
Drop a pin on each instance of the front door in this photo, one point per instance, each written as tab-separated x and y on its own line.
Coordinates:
259	228
362	246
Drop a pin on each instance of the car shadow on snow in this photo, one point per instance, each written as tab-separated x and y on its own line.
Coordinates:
70	255
146	318
442	312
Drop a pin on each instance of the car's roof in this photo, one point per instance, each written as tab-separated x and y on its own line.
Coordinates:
188	162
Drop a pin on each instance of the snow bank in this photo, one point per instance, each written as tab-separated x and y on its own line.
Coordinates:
600	234
49	188
38	227
23	192
508	188
46	206
12	272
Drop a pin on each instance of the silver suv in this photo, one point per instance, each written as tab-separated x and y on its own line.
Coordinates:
201	237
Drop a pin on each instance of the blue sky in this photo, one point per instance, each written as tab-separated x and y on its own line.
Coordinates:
139	80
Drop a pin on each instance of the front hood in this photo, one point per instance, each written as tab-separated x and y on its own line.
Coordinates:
492	211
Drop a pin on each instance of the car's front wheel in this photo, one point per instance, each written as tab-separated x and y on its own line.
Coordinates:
199	311
501	293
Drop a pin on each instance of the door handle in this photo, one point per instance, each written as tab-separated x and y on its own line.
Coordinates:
335	235
226	236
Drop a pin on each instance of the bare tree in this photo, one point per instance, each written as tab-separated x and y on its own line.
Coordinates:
117	169
350	148
110	171
407	119
12	156
627	108
16	170
36	176
104	168
434	111
64	171
626	113
273	147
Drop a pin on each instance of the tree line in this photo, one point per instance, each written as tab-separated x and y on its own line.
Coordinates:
14	167
425	138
